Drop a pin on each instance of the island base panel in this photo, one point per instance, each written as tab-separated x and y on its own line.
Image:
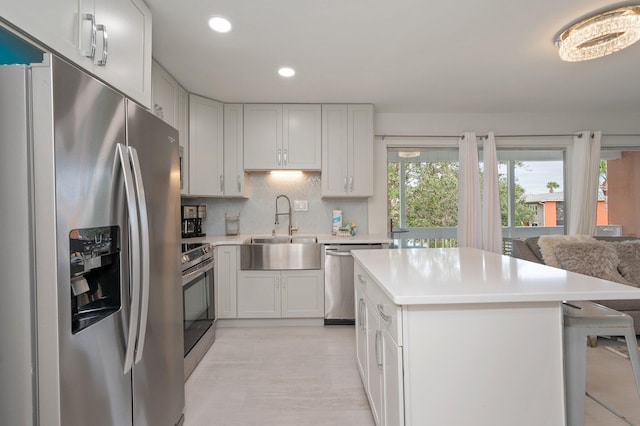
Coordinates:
488	364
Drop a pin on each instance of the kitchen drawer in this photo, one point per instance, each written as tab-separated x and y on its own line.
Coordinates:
390	314
391	317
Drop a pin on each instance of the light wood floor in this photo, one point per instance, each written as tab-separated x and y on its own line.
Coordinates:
307	376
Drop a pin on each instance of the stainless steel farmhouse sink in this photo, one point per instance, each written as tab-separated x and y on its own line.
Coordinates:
284	239
280	253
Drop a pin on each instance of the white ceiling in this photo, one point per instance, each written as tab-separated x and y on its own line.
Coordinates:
407	56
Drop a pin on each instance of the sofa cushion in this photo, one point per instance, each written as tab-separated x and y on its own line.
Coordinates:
532	243
549	243
629	265
597	258
621	305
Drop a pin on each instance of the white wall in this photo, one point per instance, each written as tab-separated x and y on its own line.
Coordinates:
501	124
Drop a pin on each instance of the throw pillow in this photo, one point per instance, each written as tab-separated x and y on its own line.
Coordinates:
548	244
597	259
532	243
629	255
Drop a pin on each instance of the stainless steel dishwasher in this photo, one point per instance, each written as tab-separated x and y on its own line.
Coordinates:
339	305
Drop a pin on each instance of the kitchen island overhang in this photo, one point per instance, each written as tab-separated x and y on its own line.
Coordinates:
480	334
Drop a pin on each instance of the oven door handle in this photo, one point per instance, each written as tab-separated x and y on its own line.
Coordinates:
205	266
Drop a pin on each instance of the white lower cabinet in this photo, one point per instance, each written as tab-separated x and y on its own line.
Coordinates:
392	382
375	364
280	294
379	351
226	270
361	334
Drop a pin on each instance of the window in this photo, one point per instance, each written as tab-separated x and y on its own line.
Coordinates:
423	194
617	203
531	192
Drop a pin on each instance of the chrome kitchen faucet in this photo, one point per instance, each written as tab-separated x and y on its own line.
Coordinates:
277	222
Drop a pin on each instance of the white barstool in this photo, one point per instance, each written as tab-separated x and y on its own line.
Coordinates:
582	319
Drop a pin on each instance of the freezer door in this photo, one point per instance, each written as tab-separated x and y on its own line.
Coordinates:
88	121
158	376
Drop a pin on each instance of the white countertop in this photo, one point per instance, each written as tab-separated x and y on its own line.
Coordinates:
441	276
217	240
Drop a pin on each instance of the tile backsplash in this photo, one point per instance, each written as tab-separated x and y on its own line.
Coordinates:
257	213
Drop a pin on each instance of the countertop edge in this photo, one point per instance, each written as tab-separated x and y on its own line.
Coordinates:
615	293
218	240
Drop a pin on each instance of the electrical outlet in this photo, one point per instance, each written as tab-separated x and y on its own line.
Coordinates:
301	205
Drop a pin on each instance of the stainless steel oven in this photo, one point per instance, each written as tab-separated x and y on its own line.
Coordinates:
198	303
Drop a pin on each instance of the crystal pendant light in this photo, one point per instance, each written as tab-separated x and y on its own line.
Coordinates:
600	35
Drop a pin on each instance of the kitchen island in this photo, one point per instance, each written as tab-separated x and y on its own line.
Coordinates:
463	336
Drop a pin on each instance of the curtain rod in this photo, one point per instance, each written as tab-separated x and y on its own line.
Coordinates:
507	136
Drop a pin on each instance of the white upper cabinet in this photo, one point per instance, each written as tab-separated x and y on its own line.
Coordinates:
164	95
262	137
109	38
183	130
171	103
301	137
205	147
54	24
347	150
282	137
234	180
128	63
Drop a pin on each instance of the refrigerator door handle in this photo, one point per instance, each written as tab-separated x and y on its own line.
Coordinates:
146	261
132	210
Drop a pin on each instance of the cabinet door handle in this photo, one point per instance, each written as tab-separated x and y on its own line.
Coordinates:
92	44
239	184
105	45
377	347
285	157
279	157
362	280
221	183
350	183
386	318
344	185
159	111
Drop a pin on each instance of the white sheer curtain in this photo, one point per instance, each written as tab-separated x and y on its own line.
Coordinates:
584	169
469	213
491	221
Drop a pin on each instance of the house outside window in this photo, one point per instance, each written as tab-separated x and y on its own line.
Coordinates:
619	191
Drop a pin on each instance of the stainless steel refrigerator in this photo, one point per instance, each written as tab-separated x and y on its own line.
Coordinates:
91	298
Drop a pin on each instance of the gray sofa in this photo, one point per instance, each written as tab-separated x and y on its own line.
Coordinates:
528	249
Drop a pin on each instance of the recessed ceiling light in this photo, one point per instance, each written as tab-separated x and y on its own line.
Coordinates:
286	72
220	24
